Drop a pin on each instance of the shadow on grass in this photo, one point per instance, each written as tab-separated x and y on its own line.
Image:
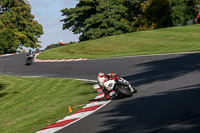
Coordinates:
2	87
88	83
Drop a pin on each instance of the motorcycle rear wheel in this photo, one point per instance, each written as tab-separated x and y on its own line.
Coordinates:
28	62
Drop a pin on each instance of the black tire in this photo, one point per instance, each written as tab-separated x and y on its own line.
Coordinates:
134	90
28	62
123	90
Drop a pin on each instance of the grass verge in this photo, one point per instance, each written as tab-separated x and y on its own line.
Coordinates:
166	40
30	104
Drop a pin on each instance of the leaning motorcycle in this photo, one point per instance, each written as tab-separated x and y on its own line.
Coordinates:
121	87
29	60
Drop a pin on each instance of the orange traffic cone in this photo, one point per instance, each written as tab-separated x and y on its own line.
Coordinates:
69	109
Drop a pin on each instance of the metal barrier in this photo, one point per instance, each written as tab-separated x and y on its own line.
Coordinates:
190	22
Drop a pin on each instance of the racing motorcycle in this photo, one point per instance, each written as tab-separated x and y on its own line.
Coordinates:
121	87
29	60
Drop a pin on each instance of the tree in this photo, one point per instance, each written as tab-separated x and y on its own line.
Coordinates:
157	12
18	27
136	14
6	38
148	14
96	18
183	10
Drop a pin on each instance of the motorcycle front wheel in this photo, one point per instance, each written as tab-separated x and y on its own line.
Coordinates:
28	62
134	90
123	90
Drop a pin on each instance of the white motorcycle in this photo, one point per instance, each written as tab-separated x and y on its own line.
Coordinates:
121	87
29	60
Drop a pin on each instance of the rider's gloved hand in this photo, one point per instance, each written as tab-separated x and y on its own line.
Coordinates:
127	83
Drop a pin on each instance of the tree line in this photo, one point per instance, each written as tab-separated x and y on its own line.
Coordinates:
94	19
17	26
58	45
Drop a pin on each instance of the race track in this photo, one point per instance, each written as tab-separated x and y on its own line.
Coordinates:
167	99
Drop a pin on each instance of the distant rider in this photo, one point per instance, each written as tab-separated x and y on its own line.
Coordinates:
30	54
102	78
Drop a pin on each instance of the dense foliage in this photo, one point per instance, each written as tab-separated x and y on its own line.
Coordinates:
94	19
183	10
18	27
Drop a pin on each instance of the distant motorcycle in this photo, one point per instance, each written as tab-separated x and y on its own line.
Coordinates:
29	59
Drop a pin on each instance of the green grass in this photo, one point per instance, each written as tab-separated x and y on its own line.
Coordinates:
166	40
30	104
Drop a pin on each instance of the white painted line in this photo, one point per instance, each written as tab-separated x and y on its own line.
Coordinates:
95	103
99	96
87	80
85	116
57	60
51	130
78	116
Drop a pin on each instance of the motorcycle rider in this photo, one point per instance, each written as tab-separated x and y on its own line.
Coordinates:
102	78
30	54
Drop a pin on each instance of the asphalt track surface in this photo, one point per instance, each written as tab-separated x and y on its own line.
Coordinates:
168	98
